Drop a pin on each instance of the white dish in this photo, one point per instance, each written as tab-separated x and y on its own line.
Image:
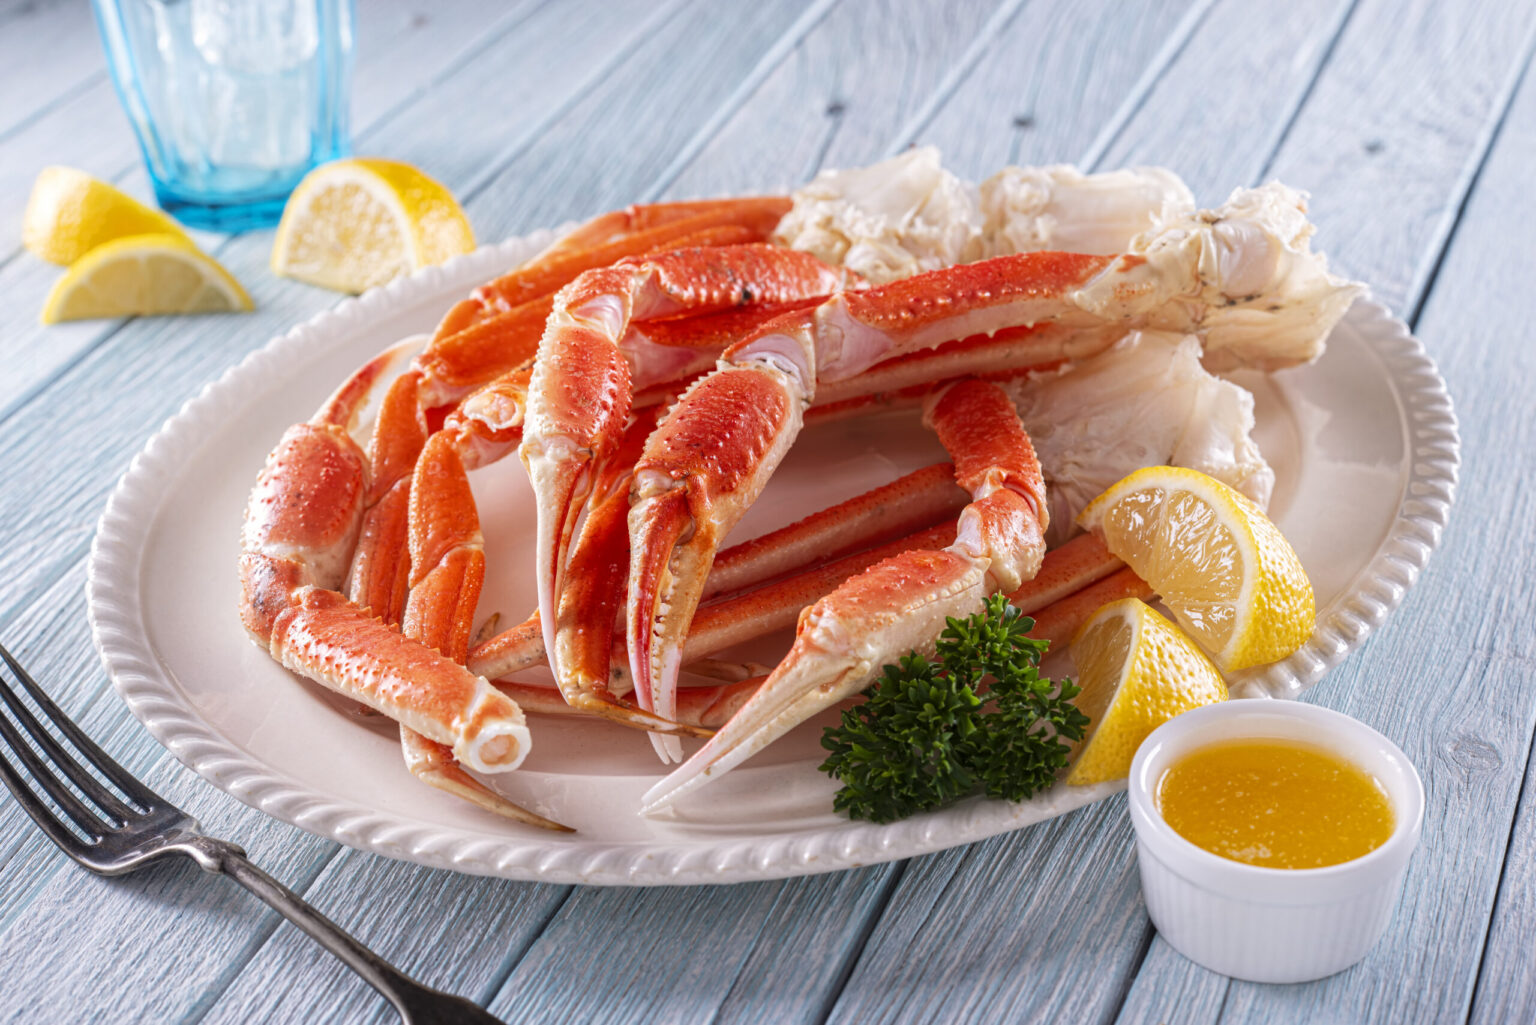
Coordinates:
1363	444
1269	924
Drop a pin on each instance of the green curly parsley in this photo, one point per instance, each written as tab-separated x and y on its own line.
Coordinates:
978	719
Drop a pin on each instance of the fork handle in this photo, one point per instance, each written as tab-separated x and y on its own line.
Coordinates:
417	1004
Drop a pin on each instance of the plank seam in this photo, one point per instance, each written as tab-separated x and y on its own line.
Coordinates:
1498	890
1305	93
80	88
64	565
857	947
1143	947
260	938
508	964
989	34
494	36
836	113
775	55
515	149
747	949
1137	98
1429	272
26	398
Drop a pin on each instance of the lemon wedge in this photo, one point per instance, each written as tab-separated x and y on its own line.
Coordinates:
143	274
1230	578
1137	671
70	213
353	224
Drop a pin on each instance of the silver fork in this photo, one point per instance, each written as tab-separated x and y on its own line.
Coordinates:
113	836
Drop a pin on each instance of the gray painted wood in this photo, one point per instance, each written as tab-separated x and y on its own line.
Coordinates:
47	53
1035	926
1042	925
829	104
1045	86
447	931
1505	989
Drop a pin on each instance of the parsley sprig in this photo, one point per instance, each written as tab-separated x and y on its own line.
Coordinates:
977	718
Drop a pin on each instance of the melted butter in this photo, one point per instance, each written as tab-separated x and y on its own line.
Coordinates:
1275	803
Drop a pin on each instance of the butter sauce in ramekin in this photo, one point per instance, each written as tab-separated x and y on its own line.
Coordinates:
1271	924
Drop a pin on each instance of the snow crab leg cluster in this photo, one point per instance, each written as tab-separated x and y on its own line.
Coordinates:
652	369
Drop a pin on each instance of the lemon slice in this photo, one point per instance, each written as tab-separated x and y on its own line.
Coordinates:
70	213
1231	579
1137	671
144	274
353	224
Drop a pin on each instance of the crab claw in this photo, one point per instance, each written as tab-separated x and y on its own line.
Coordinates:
582	391
701	470
902	603
588	606
842	642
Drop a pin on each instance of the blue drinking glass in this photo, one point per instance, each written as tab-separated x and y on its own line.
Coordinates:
233	101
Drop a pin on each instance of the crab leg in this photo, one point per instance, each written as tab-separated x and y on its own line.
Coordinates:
1074	580
902	602
447	568
581	390
707	708
589	604
379	576
885	512
1058	622
722	441
301	526
498	327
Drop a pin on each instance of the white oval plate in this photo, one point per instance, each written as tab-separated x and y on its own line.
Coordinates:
1363	444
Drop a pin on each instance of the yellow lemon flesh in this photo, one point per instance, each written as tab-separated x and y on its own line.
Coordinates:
1231	579
353	224
143	274
70	213
1137	671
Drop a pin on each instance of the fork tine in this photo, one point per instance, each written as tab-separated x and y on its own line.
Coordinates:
43	815
89	822
93	789
99	759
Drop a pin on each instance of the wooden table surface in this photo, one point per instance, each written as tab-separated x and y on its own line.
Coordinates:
1412	123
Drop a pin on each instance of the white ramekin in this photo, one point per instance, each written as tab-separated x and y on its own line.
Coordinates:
1268	924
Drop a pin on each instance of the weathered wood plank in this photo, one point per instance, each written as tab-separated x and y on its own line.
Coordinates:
1376	125
1029	926
1047	85
1506	987
806	946
750	952
593	157
48	51
1215	136
445	929
838	100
